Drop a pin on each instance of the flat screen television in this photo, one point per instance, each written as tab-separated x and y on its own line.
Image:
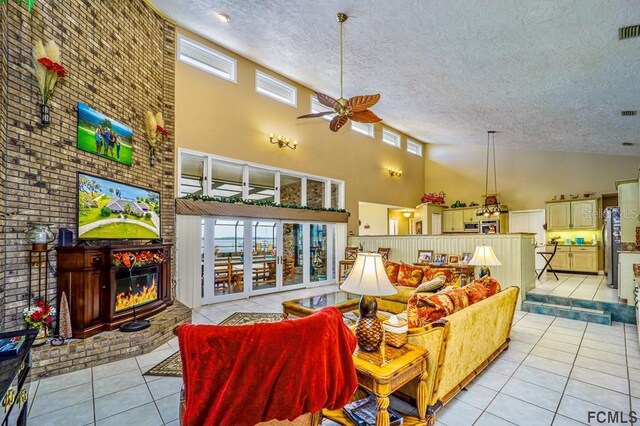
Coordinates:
111	210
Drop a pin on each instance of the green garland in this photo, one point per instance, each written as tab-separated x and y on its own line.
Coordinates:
233	200
28	3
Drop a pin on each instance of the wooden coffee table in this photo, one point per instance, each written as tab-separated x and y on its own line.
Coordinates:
343	301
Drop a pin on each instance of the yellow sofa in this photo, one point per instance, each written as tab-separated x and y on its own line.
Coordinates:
461	345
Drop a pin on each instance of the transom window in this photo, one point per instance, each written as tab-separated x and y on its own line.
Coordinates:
414	147
391	138
367	129
207	59
276	89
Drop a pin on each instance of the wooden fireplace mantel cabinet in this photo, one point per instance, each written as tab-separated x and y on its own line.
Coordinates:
87	275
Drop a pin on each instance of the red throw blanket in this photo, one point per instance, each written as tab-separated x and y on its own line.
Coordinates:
242	375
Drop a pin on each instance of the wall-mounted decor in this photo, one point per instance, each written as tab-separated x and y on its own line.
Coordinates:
48	71
419	227
104	136
27	3
155	129
114	210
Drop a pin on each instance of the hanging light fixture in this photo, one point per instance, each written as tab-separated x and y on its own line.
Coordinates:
491	206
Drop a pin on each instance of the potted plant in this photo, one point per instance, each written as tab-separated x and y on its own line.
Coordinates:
39	316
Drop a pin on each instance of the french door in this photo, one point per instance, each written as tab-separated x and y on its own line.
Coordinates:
243	257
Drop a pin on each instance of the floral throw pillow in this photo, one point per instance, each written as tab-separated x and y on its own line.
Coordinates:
392	269
409	275
491	284
458	296
423	309
475	292
451	276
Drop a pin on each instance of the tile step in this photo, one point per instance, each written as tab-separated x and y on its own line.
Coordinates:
570	312
619	311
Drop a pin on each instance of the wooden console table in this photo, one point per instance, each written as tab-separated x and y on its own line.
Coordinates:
385	371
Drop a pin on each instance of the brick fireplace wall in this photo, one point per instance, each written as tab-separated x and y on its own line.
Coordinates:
120	56
3	148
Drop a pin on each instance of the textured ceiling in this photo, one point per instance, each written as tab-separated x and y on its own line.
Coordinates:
547	75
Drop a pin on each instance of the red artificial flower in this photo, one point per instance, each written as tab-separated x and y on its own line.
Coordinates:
48	320
37	316
59	69
161	130
47	63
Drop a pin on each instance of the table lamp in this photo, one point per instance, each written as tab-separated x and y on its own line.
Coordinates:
369	279
484	257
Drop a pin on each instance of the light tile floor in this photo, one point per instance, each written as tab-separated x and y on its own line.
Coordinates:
555	371
577	286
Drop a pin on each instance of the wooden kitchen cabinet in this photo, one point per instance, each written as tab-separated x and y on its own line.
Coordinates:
453	220
570	215
469	215
584	214
575	258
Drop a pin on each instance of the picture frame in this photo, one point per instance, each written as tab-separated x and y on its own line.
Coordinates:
103	136
425	256
466	258
453	259
440	258
418	227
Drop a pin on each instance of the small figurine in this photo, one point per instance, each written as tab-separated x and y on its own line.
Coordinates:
562	197
555	197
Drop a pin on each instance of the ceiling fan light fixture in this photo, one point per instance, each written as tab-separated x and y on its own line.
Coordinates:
355	108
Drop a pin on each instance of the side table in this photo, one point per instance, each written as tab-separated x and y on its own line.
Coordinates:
385	371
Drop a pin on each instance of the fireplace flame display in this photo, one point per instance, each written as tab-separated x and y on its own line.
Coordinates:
138	296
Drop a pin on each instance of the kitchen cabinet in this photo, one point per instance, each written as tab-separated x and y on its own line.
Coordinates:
469	215
570	215
575	258
626	277
453	220
628	202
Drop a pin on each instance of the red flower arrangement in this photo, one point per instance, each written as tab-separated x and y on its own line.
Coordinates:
38	314
46	68
434	198
161	130
140	258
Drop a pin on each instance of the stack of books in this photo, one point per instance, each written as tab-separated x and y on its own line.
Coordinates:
10	346
363	412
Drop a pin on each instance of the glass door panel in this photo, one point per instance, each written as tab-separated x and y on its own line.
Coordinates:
318	247
292	255
228	257
264	267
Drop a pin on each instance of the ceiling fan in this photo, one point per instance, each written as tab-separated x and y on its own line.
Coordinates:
355	108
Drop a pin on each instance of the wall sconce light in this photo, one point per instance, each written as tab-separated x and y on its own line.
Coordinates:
394	172
282	142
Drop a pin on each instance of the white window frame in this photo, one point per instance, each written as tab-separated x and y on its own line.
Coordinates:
291	100
391	138
367	129
230	75
316	106
246	165
419	147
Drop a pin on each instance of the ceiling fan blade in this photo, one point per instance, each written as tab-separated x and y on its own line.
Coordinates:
338	122
366	116
360	103
327	101
317	114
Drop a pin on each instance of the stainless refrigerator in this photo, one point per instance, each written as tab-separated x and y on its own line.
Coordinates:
611	239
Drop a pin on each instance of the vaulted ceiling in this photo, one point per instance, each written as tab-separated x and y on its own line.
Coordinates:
549	75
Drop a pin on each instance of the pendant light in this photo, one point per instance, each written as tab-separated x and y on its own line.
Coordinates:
491	206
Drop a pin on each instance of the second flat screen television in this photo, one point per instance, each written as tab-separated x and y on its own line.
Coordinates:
111	210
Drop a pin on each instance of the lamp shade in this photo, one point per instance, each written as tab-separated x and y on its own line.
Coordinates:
484	256
368	277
